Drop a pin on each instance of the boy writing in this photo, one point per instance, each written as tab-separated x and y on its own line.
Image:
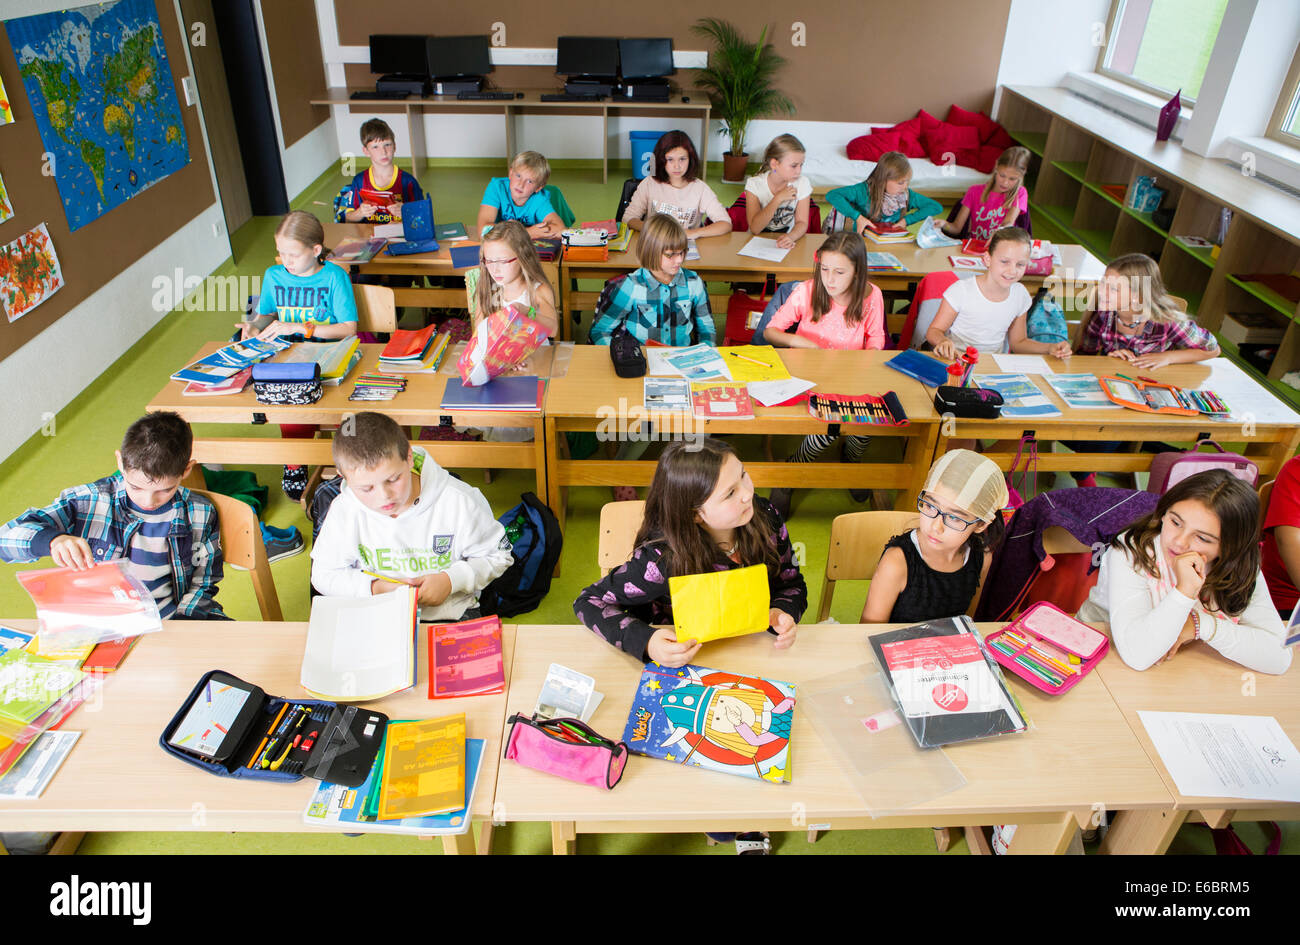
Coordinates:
403	519
167	534
521	197
376	194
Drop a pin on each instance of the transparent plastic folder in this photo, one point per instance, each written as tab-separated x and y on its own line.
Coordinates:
80	608
856	716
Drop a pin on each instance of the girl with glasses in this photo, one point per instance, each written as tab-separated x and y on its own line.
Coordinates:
509	272
934	570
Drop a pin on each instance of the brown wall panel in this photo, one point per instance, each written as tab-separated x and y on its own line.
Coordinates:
868	61
97	252
296	63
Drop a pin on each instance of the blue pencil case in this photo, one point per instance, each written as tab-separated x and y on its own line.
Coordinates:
927	370
286	371
411	247
233	729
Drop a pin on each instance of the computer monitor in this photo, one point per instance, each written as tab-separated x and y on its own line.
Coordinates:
586	55
645	58
451	56
393	54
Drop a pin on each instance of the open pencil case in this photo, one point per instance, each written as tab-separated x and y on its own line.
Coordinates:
568	748
228	727
1038	645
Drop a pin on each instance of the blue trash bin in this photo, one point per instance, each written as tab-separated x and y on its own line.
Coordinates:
643	152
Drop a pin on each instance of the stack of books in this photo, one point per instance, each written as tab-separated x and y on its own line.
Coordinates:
336	358
414	352
223	364
880	232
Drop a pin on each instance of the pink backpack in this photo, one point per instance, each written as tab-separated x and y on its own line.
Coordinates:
1169	469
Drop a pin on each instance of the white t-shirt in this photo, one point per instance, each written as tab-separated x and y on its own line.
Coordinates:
689	205
981	323
783	219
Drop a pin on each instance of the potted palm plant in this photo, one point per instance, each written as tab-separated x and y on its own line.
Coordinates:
738	81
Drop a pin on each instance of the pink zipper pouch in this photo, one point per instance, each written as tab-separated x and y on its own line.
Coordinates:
566	748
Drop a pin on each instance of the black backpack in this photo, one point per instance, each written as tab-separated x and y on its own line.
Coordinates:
534	534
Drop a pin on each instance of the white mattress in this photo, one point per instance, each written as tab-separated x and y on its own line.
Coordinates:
837	170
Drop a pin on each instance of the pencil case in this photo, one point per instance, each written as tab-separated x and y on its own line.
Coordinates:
1051	637
583	756
291	383
225	726
586	253
971	403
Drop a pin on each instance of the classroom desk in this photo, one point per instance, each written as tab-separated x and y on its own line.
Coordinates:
419	404
1079	754
117	778
1271	432
592	397
419	265
1198	679
529	101
720	262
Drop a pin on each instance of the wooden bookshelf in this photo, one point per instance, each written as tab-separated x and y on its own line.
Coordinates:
1079	148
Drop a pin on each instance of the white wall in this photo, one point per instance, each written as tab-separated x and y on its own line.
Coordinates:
1047	40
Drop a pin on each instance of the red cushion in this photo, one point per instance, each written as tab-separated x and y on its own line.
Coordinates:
909	138
983	124
1000	139
961	141
871	147
926	121
987	157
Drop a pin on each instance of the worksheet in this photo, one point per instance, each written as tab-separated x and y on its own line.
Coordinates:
1211	755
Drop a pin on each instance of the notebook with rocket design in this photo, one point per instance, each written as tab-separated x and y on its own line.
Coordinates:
706	718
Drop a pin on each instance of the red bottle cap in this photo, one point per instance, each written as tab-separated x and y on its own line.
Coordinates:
956	369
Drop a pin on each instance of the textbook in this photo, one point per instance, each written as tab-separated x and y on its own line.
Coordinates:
335	358
721	400
884	262
946	685
466	658
427	360
29	685
448	232
361	648
424	768
515	394
334	804
232	385
719	721
666	393
1020	395
357	250
226	362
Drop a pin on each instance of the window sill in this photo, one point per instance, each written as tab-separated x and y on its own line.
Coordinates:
1265	157
1134	104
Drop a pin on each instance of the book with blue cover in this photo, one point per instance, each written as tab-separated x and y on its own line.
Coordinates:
1020	395
500	393
226	362
929	371
706	718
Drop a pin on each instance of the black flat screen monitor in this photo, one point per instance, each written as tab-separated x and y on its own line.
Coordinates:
645	58
399	55
459	55
586	55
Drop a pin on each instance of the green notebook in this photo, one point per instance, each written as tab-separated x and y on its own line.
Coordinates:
30	684
449	231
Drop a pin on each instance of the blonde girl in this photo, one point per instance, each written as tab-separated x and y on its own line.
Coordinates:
778	197
509	272
884	197
1000	202
309	297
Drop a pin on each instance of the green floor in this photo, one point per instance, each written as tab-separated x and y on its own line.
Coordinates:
86	432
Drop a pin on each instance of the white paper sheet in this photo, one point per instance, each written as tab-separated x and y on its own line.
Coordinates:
1247	398
762	248
768	393
1021	363
1209	755
391	231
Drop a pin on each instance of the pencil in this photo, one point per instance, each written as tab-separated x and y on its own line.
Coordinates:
283	708
381	577
750	360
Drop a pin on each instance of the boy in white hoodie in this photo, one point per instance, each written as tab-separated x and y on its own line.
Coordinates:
403	519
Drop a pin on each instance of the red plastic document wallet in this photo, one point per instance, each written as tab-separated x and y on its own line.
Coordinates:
465	659
100	603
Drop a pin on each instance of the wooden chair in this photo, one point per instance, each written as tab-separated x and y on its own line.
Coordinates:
376	309
242	547
1265	493
619	523
857	540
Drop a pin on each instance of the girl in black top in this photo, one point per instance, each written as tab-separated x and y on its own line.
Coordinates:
934	570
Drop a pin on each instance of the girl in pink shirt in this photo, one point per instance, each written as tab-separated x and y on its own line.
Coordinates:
837	308
998	203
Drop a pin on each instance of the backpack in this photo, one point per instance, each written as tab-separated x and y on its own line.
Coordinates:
1046	321
534	535
1169	469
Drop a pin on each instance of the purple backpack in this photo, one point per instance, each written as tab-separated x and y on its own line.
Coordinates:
1169	469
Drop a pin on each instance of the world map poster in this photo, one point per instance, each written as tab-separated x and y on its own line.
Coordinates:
104	101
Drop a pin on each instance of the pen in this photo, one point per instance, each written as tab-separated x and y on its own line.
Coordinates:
267	737
750	360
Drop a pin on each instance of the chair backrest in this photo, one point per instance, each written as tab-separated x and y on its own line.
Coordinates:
242	547
1265	493
619	523
925	305
857	541
1179	301
629	188
560	205
376	308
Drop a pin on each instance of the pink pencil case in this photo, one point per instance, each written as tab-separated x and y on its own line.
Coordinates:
1052	631
566	748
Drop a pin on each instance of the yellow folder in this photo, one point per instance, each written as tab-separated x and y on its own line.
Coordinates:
720	604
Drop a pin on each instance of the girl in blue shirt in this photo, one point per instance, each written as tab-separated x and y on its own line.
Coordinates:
308	296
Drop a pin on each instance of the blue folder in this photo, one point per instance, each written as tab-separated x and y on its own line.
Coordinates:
927	370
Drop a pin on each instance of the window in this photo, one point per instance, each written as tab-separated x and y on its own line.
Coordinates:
1285	123
1162	45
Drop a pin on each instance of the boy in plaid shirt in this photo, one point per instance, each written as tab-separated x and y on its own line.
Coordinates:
661	300
141	513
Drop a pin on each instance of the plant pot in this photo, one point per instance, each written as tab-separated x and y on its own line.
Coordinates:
733	167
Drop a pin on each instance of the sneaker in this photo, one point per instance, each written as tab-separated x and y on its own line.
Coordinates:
780	499
753	844
281	542
1087	482
294	482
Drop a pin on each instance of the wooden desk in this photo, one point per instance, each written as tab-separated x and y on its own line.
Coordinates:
530	101
1198	679
1079	755
720	262
1272	434
118	778
419	404
592	397
419	265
